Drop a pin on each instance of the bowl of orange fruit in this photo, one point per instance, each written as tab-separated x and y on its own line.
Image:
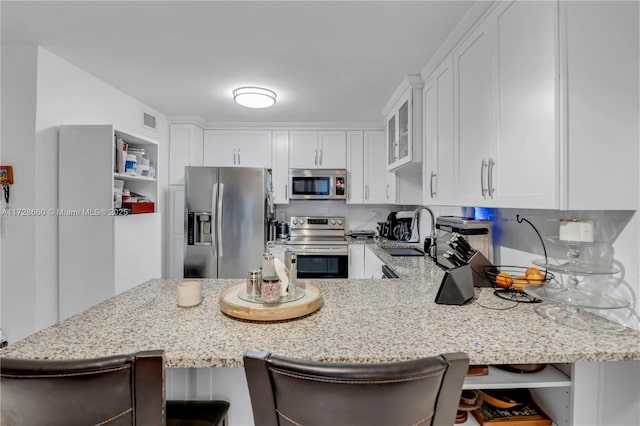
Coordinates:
516	277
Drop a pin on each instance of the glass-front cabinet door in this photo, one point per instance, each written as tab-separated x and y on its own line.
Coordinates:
404	133
392	148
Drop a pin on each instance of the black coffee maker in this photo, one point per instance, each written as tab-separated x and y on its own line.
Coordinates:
383	229
392	224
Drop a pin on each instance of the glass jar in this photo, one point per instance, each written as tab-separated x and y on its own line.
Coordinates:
270	290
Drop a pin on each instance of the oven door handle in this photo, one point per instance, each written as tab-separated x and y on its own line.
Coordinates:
320	251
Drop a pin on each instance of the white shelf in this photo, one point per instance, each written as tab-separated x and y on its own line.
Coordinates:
133	177
550	377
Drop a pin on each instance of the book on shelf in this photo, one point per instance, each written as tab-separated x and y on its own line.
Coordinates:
527	414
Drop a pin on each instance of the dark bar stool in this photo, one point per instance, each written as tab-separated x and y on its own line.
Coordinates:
288	391
116	390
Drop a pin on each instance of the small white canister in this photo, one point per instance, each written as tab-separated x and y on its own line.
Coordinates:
189	293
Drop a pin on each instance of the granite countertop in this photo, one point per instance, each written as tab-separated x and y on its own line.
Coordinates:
361	321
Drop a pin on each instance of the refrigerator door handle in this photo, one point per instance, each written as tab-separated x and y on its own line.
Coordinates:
219	216
214	196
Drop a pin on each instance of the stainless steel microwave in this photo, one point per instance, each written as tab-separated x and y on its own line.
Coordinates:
317	184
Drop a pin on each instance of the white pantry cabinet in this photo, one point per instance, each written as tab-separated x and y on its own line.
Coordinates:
100	254
404	125
185	149
309	149
237	148
377	180
176	225
439	157
356	261
355	168
280	167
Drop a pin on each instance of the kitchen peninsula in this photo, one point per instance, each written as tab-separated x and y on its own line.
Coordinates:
361	321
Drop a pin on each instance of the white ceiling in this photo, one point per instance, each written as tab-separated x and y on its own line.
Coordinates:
328	61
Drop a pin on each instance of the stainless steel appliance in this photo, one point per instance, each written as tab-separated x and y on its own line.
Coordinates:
320	246
317	184
478	234
226	221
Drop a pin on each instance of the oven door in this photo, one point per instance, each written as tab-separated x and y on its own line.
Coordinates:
322	262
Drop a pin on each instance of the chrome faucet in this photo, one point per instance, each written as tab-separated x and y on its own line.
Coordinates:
430	240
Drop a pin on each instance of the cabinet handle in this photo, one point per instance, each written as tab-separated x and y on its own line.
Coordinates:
433	194
238	156
490	178
366	192
234	157
286	192
321	157
482	166
348	192
387	191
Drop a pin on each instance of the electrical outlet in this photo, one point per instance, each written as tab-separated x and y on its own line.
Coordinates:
374	212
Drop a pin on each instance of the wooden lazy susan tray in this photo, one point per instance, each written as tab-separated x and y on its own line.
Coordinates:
232	305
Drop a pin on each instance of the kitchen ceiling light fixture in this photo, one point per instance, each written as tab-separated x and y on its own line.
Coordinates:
254	97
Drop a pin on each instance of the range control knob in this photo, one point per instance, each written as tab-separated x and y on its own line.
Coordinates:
294	221
340	221
333	221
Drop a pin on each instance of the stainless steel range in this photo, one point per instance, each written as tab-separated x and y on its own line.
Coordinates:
320	245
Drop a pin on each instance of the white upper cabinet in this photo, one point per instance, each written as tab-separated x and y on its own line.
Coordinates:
523	168
546	108
475	98
368	180
317	149
505	93
185	149
601	129
439	158
280	167
237	148
404	125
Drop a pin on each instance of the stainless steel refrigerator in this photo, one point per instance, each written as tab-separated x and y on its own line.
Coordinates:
226	212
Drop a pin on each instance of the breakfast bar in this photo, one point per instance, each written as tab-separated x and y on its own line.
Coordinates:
378	320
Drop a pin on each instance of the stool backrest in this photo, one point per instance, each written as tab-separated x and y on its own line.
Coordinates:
115	390
287	391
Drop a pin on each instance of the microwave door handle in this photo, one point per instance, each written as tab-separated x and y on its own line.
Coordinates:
219	230
214	197
320	157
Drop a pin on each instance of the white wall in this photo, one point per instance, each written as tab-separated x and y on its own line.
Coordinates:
65	95
19	70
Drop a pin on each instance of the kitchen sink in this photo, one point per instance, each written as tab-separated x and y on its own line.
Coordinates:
404	251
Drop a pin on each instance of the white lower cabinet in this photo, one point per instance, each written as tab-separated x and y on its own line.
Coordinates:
372	264
356	261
